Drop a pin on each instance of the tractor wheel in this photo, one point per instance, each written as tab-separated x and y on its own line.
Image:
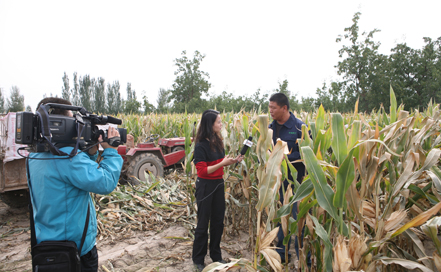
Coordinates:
144	163
178	148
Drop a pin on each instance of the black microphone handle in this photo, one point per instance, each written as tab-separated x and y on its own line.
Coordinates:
245	147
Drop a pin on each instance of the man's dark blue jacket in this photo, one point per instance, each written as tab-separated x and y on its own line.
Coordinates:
290	131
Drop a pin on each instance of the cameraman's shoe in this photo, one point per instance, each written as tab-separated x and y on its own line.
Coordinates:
198	267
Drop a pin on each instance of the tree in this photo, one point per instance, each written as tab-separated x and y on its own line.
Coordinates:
65	91
148	108
225	102
75	91
162	101
16	102
190	83
86	87
28	108
2	101
416	74
293	101
99	95
131	105
113	98
363	69
332	98
308	104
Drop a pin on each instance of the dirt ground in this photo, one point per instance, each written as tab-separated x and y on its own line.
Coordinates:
142	251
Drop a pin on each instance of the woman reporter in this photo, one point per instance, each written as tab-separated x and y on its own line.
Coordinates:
210	159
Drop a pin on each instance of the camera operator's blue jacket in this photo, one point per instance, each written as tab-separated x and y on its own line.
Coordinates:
60	193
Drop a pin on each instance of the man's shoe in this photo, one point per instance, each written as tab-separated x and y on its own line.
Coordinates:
221	261
199	267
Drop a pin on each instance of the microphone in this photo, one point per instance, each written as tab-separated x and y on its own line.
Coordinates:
114	120
246	144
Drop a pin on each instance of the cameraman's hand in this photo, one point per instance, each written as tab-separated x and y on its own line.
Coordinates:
111	132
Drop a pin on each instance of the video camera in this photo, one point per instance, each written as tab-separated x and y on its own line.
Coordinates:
44	132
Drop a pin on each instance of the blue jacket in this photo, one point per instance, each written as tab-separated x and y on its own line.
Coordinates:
60	193
290	131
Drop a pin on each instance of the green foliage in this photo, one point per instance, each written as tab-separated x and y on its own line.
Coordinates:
99	104
162	101
229	103
415	74
363	69
113	98
85	91
131	105
75	99
148	108
65	91
190	84
16	101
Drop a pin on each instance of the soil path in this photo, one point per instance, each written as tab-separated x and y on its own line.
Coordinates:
139	251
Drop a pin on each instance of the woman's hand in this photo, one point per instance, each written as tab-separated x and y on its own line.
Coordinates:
229	161
239	158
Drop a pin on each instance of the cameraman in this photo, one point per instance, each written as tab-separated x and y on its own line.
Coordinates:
60	191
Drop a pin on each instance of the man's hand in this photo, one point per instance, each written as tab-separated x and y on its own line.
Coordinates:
112	132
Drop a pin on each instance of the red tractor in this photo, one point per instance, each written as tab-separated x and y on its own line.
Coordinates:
148	157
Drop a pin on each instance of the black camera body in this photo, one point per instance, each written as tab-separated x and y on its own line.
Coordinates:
41	131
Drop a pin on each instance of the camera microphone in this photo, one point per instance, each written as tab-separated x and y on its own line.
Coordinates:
114	120
246	144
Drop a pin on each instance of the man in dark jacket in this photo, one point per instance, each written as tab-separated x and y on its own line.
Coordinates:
289	129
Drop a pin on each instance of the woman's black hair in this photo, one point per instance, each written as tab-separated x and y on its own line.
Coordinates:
205	130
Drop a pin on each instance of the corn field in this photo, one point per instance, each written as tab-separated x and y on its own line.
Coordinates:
370	198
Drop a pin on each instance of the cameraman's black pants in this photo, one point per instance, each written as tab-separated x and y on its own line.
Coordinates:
210	199
89	261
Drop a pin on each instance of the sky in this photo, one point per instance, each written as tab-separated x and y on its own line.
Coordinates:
248	45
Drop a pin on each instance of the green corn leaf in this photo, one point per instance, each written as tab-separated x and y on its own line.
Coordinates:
319	141
355	134
306	141
345	176
303	209
323	191
320	119
293	171
313	129
338	144
303	191
245	125
327	142
321	232
393	106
